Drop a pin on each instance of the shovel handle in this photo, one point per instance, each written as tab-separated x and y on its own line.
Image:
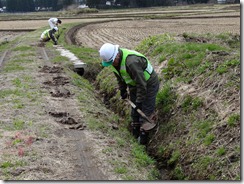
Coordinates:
139	111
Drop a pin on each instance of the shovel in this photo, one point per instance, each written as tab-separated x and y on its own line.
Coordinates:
149	125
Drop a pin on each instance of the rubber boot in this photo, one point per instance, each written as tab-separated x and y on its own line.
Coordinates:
143	138
135	129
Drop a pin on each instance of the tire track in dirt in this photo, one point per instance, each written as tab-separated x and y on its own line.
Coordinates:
2	58
83	165
64	154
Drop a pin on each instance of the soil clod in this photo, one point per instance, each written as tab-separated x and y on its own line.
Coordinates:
59	114
68	121
48	69
60	92
57	81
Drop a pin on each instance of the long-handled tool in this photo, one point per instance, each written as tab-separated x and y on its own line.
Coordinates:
149	125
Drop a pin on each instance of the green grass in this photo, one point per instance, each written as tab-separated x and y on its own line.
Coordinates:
202	163
43	131
8	92
7	164
121	170
120	142
23	48
161	150
178	173
188	59
17	82
18	104
184	57
18	124
16	141
233	120
27	55
191	103
203	128
140	156
79	81
232	40
58	59
107	150
221	151
174	157
11	68
209	139
94	124
222	69
166	99
4	45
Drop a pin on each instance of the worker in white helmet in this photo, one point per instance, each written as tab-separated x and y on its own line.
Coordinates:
135	72
53	22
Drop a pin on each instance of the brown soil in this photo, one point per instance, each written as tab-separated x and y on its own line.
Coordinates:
130	33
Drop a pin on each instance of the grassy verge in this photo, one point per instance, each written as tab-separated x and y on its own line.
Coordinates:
19	130
201	73
208	66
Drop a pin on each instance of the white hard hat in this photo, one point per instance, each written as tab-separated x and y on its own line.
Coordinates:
108	52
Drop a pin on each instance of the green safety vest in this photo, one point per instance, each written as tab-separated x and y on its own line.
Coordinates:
126	77
46	33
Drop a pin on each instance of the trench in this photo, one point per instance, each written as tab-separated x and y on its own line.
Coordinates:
161	165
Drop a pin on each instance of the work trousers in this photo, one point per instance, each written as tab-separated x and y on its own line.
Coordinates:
148	105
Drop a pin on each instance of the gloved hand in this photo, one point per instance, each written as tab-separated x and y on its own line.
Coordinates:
123	94
138	106
55	43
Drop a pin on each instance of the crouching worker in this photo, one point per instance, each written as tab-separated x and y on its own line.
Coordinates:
49	34
133	71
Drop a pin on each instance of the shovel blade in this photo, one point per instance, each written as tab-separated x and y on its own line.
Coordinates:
148	126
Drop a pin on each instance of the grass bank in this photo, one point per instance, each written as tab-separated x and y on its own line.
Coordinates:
198	104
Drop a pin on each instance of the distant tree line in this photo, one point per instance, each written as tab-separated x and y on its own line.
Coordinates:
55	5
32	5
140	3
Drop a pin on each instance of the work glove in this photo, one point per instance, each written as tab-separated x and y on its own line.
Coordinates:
123	94
55	43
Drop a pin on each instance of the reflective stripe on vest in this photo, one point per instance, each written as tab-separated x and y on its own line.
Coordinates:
123	73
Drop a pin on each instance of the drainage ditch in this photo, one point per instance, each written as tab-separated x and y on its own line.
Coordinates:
65	119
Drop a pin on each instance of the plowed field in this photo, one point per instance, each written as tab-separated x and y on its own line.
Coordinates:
129	33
